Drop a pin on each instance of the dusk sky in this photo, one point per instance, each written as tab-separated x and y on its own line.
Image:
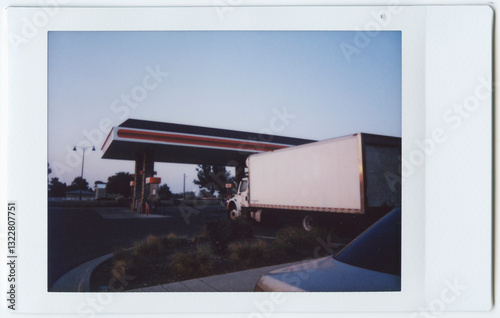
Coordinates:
222	79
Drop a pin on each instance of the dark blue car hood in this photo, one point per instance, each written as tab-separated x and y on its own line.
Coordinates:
328	275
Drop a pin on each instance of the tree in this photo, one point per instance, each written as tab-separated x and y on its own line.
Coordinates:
119	183
212	178
57	188
178	195
164	192
222	176
49	171
79	184
204	193
190	195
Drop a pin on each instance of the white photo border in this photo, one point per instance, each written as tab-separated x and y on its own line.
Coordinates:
26	70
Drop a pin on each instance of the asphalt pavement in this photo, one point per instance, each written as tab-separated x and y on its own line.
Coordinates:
78	235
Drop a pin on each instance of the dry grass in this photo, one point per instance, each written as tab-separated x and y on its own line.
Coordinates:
172	240
292	239
152	246
123	260
224	231
194	264
249	253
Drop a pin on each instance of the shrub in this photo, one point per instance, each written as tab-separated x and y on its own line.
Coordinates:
152	246
122	254
294	239
122	201
249	253
120	269
240	229
123	262
220	233
201	238
172	240
193	264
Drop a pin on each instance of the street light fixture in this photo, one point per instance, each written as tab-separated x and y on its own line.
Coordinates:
83	160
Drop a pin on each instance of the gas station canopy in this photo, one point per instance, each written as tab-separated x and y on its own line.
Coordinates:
147	142
178	143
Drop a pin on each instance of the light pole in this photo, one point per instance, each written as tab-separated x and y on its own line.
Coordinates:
184	188
83	160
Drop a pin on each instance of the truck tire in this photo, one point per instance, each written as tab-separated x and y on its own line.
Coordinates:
308	223
233	214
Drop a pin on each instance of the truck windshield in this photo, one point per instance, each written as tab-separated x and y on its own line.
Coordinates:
243	186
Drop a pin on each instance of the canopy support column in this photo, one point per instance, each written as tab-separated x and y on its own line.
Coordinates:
147	172
138	181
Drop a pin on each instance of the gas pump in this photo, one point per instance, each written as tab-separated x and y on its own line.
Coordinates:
133	204
152	184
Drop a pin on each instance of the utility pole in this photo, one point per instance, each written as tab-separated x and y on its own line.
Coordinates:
184	187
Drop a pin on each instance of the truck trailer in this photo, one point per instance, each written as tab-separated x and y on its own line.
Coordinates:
353	179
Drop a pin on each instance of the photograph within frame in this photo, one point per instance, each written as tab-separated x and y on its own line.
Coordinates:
228	82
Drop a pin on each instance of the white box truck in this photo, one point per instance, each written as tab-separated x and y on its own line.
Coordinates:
354	178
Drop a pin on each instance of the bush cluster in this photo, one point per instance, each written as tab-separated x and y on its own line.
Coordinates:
150	247
194	264
249	253
133	261
222	232
293	239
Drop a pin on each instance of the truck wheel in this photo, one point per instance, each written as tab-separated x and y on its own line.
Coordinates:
234	214
308	223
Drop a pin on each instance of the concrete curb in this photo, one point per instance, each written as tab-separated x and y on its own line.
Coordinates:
242	281
78	279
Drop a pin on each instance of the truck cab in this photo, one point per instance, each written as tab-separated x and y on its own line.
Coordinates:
240	200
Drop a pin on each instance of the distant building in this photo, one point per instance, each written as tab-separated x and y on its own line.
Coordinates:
75	195
100	191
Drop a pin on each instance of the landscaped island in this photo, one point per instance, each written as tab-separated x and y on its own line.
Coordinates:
225	246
